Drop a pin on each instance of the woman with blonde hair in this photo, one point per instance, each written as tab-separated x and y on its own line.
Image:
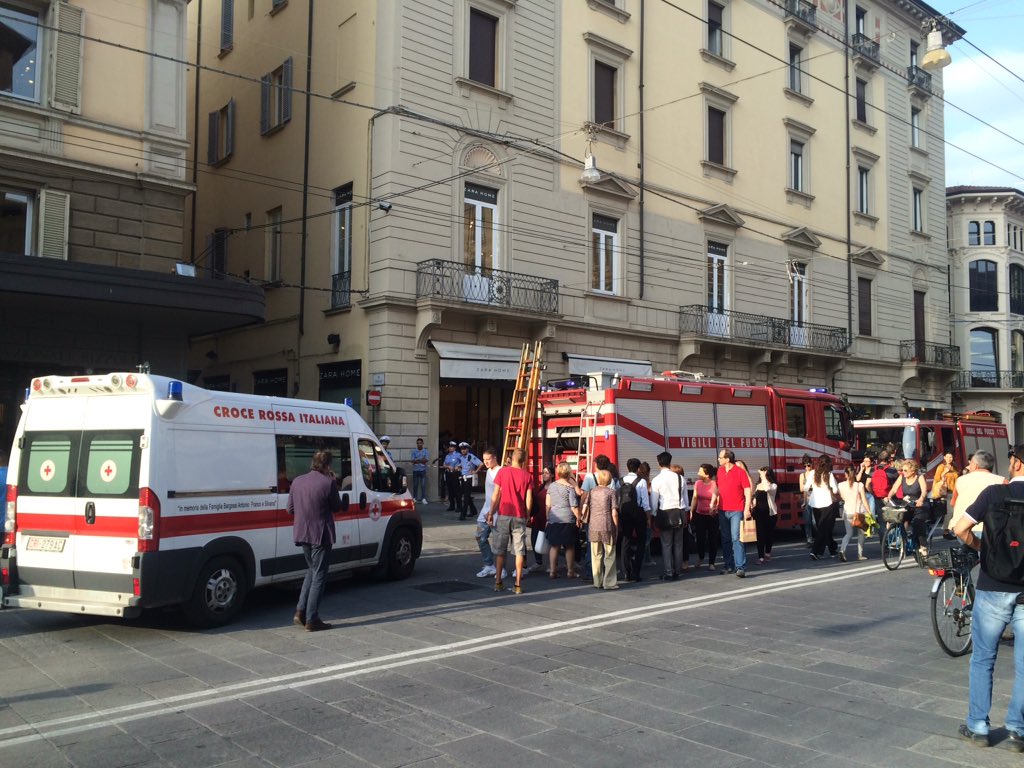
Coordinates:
915	496
563	519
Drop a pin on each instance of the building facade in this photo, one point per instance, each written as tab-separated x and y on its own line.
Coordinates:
763	199
986	247
93	183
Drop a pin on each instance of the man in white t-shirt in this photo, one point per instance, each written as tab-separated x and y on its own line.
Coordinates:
483	530
978	477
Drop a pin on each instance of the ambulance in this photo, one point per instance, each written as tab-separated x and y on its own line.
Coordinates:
639	417
129	491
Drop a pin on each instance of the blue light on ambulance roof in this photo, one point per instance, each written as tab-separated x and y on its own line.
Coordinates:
819	390
28	391
347	401
174	390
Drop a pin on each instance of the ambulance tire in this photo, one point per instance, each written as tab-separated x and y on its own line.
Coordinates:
400	557
219	593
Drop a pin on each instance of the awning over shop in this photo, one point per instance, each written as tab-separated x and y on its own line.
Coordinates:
471	361
580	365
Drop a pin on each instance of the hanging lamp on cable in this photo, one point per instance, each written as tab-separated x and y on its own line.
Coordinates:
590	173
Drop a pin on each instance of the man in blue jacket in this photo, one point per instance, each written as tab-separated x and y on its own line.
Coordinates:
312	500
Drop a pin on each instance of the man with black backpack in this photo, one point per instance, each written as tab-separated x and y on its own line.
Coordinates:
999	600
634	518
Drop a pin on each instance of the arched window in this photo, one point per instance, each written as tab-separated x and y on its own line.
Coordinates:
1017	358
973	233
1017	289
983	286
990	233
984	357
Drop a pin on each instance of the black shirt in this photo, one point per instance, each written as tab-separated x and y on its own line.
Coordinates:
977	512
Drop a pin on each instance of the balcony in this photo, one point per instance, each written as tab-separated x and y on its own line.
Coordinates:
761	331
929	354
801	15
989	380
454	282
341	290
865	51
919	81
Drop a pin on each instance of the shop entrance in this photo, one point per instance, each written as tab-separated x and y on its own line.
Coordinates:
475	411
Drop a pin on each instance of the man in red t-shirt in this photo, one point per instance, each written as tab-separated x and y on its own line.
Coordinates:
735	494
513	497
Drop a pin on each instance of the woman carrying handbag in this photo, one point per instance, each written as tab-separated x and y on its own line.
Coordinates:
855	509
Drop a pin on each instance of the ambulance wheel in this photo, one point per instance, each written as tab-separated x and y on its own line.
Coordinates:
400	559
219	593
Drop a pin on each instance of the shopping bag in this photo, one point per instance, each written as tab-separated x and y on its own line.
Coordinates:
542	546
748	531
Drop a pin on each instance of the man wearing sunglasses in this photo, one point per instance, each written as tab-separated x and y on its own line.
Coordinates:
997	604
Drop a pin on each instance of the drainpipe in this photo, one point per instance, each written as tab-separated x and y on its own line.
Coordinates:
195	132
849	181
305	175
642	219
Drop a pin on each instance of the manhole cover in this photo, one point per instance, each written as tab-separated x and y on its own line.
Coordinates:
445	587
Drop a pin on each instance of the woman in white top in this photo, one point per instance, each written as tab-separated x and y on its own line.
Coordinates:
765	511
822	493
805	481
855	500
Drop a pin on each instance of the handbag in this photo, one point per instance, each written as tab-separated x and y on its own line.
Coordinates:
748	531
859	520
542	546
669	518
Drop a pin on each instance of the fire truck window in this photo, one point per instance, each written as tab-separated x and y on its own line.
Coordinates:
927	443
834	424
295	455
796	420
948	443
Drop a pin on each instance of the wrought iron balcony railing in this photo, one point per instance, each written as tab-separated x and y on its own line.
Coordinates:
929	353
801	9
341	290
455	281
864	46
919	78
698	320
989	379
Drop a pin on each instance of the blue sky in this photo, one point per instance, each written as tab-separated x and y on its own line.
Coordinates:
981	88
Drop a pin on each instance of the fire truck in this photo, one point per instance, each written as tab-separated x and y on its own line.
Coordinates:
636	417
961	434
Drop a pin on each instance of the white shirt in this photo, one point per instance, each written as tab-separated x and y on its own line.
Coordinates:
642	495
665	489
488	494
819	496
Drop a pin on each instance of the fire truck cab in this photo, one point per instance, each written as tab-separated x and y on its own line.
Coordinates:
692	419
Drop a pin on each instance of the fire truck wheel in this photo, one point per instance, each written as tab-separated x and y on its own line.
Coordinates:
219	593
400	559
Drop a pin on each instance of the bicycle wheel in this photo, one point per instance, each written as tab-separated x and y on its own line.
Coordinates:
893	547
951	614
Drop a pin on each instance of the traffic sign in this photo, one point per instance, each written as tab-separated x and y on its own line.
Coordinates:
373	397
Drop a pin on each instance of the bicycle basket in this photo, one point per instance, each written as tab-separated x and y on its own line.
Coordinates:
942	559
954	558
893	514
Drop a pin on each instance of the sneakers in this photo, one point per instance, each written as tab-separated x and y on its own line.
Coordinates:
741	573
487	570
424	501
977	739
730	570
862	557
537	568
1014	740
815	557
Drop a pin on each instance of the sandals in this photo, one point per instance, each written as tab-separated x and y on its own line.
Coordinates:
553	575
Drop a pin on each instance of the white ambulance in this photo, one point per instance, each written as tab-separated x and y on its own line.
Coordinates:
129	491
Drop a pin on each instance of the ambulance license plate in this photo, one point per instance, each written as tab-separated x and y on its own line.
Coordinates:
45	544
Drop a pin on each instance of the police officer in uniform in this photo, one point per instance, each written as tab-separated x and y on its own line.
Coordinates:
468	465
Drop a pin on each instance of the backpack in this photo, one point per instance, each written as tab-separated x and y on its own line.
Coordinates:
629	499
1002	545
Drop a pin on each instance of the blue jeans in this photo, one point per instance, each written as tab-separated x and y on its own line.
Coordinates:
318	559
419	485
734	551
483	540
992	612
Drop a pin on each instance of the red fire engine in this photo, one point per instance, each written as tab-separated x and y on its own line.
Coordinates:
692	420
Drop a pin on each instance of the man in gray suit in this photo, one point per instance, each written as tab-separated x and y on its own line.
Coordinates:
312	500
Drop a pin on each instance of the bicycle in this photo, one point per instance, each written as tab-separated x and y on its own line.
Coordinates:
952	597
897	540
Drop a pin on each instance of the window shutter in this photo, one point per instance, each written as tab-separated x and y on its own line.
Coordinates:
227	24
213	140
54	207
66	59
265	90
229	131
286	81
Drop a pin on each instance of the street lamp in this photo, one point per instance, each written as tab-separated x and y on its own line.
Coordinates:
936	56
590	173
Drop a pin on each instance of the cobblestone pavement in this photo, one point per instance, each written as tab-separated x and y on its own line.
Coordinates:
802	663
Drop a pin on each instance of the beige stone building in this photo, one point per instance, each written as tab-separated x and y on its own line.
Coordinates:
986	247
93	184
764	200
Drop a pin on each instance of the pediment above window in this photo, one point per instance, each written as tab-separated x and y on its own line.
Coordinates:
802	237
868	257
609	185
721	214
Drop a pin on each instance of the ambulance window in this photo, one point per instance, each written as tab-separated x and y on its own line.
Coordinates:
110	464
377	470
834	424
796	420
46	463
295	456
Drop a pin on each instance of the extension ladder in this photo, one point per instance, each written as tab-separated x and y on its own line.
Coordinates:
523	413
